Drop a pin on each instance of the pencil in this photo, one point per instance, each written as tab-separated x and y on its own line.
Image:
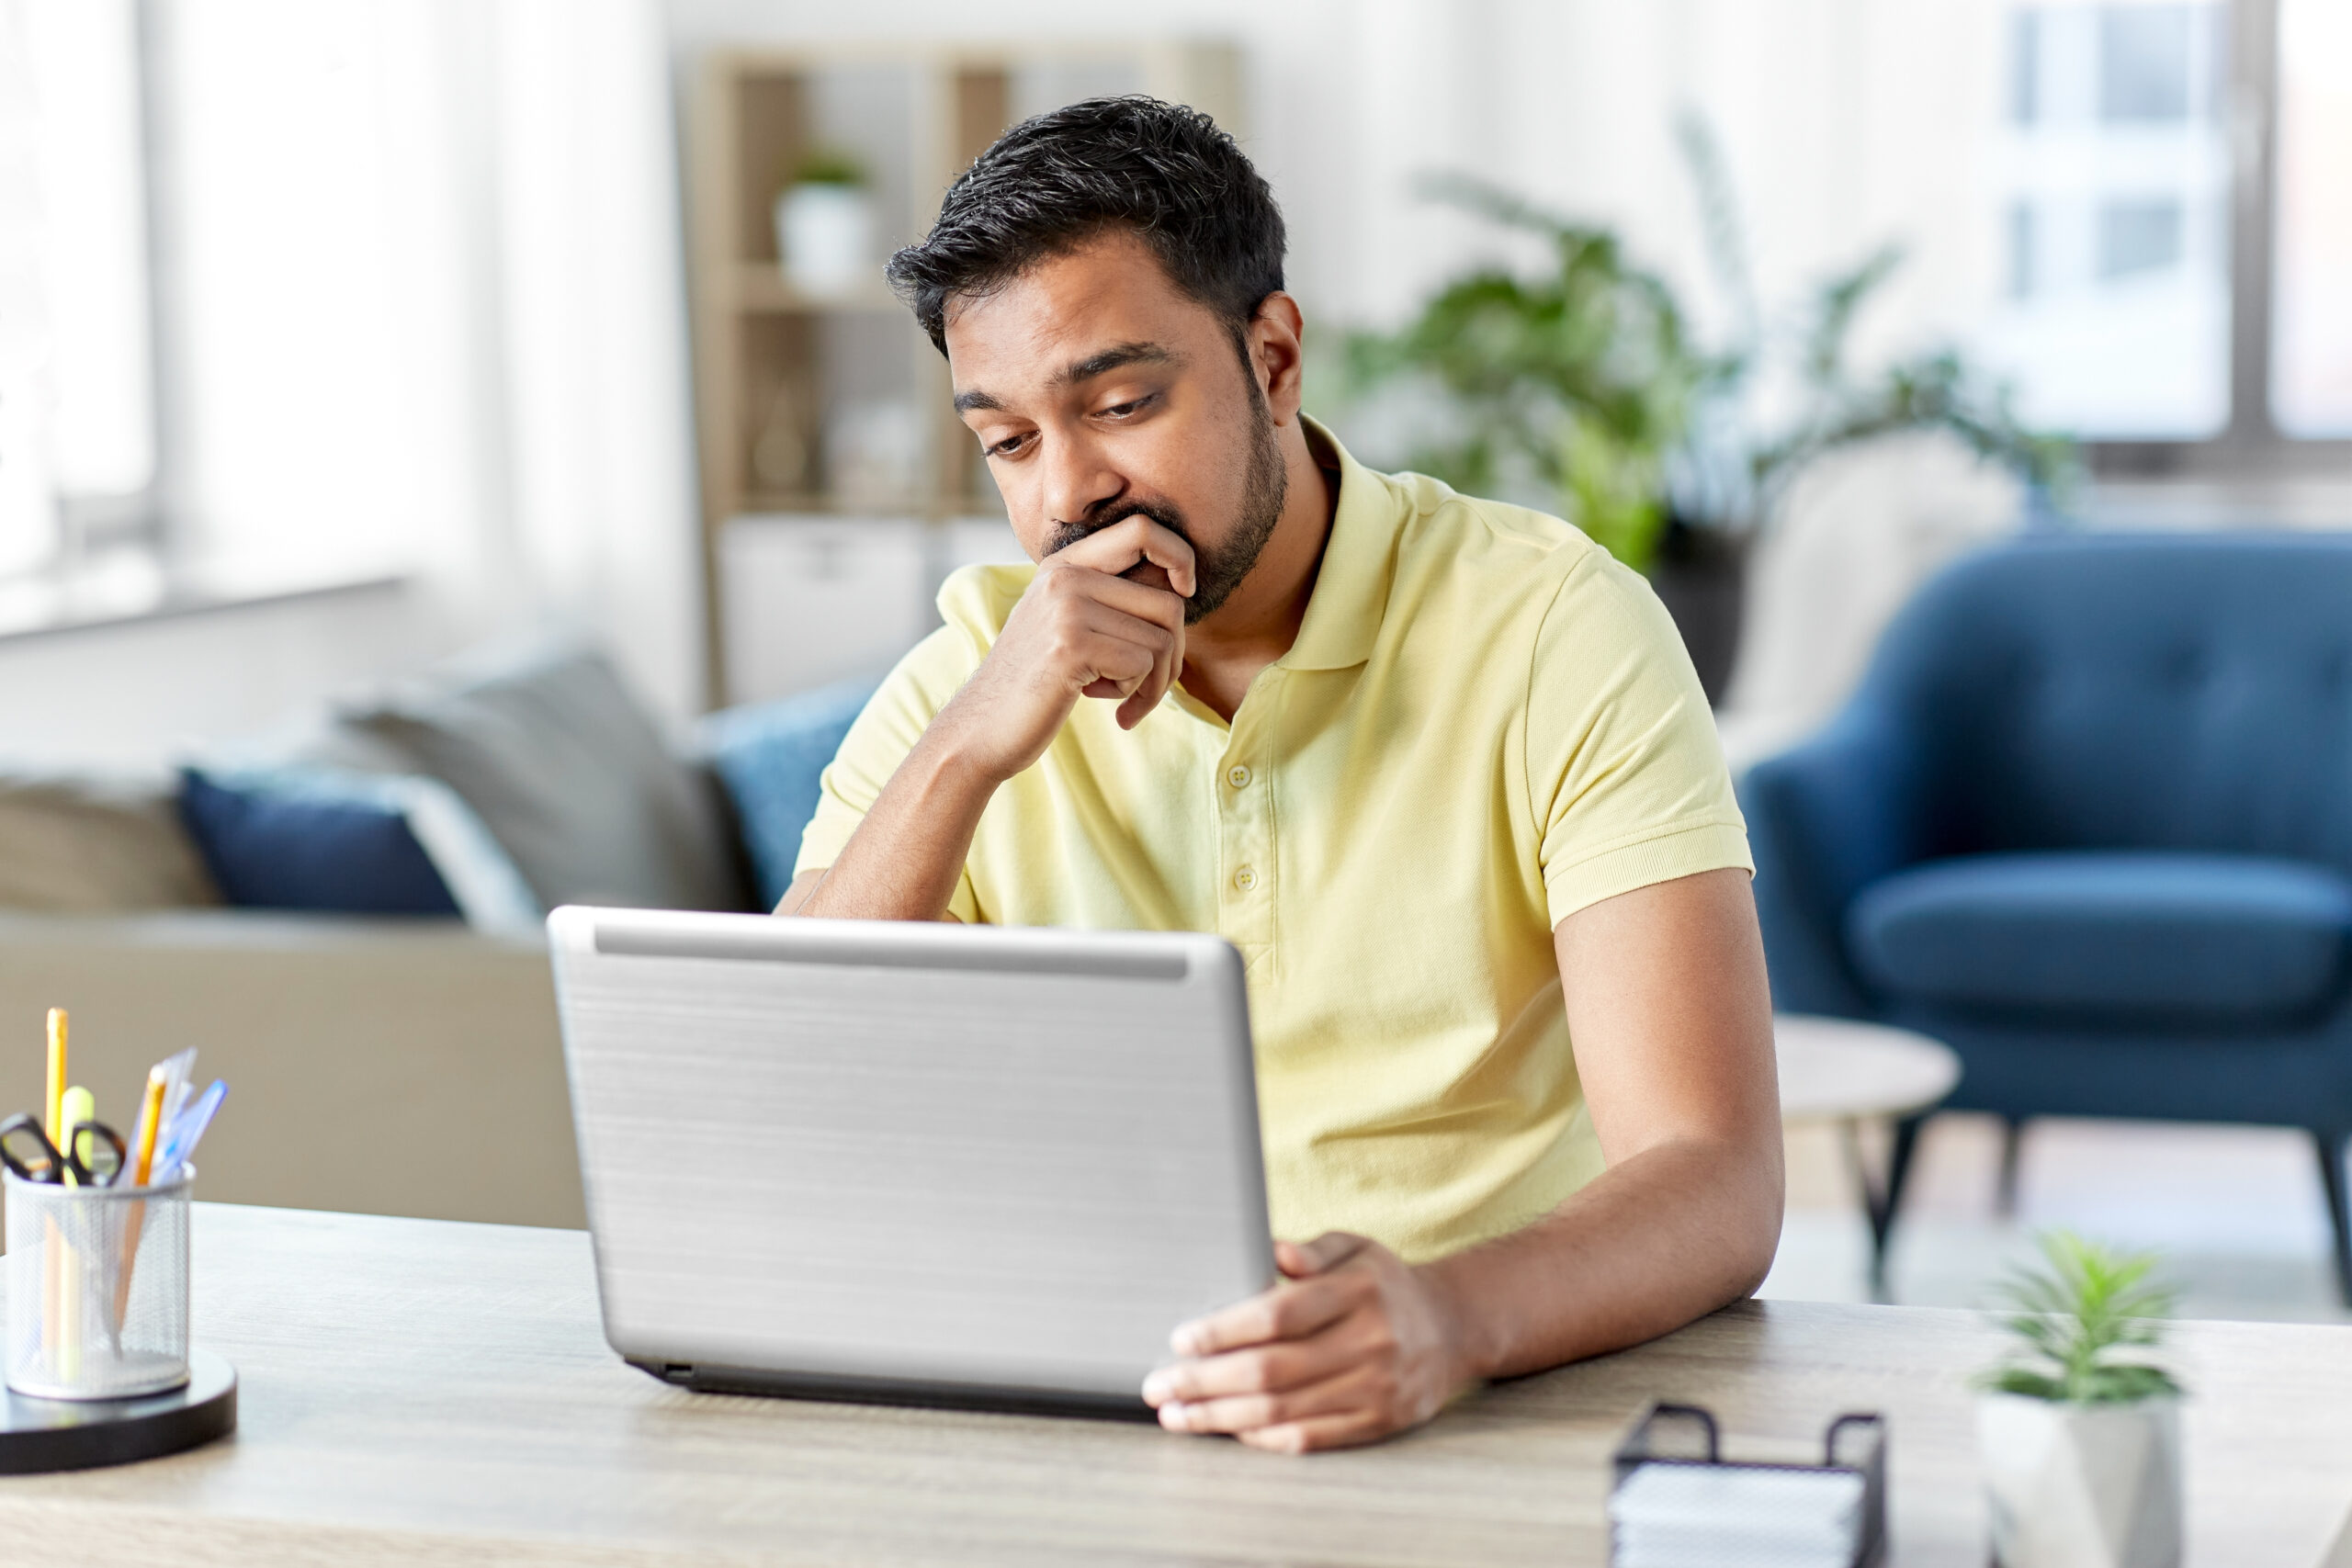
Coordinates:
56	1077
142	1164
52	1277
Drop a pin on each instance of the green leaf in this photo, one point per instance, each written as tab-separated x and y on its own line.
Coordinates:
2073	1313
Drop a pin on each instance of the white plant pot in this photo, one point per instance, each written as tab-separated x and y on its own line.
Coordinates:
2081	1485
825	234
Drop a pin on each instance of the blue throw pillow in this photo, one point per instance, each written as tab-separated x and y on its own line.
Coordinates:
272	849
769	757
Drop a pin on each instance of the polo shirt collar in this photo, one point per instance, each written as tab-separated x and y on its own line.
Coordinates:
1351	586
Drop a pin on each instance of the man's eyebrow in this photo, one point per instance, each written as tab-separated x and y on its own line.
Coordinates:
1116	358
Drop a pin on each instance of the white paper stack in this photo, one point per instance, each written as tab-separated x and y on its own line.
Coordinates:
1696	1516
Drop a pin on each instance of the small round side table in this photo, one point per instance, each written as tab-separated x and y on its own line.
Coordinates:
1834	1069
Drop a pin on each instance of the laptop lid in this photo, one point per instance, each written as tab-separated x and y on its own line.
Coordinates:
910	1161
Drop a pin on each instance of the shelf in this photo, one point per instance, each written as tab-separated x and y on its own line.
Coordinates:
920	509
760	289
774	366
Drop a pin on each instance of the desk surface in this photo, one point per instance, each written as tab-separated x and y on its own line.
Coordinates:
425	1392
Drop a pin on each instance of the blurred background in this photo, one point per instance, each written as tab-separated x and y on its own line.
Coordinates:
343	340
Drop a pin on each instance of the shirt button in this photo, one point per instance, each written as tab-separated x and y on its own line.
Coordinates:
1238	776
1245	879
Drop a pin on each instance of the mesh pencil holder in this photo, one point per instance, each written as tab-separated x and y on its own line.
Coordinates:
98	1287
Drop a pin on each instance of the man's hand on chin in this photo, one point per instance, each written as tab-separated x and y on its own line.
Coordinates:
1354	1345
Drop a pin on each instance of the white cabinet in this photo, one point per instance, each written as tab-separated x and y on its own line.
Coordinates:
816	599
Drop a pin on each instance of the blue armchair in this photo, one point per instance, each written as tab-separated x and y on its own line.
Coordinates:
2089	821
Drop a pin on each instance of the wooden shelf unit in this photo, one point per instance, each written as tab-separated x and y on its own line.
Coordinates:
763	390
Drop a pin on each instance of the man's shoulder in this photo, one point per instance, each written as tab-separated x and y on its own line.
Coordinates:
1495	549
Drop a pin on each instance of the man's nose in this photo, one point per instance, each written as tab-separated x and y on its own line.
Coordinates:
1079	480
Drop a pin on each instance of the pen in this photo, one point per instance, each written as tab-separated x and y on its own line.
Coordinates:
181	1141
177	1068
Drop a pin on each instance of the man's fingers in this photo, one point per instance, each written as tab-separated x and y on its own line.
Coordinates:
1133	613
1286	1312
1352	1391
1130	541
1346	1430
1299	1259
1261	1368
1159	606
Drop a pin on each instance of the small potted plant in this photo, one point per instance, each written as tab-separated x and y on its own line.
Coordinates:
2078	1434
824	225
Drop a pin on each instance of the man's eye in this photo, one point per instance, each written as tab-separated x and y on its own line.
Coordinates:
1133	406
1008	447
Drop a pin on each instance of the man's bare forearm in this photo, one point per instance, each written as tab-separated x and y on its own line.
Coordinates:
903	861
1670	1235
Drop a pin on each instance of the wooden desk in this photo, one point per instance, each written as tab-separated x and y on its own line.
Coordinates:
426	1391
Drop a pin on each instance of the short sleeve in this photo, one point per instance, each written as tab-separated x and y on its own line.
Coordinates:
910	698
1627	778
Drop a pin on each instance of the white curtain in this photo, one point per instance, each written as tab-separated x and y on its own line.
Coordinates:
429	309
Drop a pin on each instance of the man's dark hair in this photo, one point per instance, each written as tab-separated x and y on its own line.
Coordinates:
1055	182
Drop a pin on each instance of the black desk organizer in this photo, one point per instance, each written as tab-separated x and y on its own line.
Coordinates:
1686	1435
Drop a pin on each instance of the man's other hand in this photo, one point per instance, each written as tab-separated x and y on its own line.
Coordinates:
1355	1345
1082	629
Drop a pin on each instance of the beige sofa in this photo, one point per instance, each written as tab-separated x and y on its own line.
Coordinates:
401	1066
382	1067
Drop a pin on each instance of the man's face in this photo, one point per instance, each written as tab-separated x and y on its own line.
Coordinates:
1099	391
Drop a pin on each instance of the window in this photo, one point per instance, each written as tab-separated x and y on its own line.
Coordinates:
2114	169
249	400
2311	388
77	440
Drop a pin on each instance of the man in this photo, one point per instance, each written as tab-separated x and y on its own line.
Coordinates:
1438	767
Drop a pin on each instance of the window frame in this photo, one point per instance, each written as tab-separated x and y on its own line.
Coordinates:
90	523
2251	443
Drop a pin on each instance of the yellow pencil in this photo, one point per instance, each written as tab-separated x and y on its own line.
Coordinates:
57	1076
142	1164
52	1277
151	1112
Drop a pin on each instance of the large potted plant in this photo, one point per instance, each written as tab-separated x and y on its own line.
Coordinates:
1581	385
2078	1432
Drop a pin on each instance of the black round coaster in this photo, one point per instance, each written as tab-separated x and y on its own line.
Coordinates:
79	1434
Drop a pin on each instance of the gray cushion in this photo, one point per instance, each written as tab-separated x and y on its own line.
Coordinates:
570	775
71	845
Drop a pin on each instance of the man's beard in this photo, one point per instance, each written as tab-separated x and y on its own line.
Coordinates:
1216	573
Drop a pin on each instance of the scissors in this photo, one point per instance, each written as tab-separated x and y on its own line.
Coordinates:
94	1153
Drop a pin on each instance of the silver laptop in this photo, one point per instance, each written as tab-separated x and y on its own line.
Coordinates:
934	1163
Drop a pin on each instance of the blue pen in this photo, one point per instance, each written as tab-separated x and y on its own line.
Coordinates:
186	1131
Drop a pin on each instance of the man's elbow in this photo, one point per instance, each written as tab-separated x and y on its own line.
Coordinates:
1756	1200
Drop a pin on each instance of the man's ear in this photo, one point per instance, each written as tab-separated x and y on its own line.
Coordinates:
1277	340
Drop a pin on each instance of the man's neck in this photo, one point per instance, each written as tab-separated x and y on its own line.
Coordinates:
1257	625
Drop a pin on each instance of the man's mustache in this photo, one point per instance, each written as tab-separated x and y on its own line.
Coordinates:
1067	534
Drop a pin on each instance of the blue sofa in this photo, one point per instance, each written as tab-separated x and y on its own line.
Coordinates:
2088	821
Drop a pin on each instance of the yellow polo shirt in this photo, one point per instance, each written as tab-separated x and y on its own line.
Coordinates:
1485	725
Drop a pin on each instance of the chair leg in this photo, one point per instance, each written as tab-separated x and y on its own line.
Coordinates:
2330	1147
2005	1196
1880	1202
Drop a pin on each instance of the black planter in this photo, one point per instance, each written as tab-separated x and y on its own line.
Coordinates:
1701	575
